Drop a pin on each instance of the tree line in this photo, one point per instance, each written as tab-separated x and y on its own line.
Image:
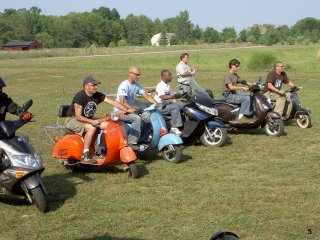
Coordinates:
104	27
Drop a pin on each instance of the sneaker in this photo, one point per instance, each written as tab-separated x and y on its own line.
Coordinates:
138	147
85	158
176	131
244	119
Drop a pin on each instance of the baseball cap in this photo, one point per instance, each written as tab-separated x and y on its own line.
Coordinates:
90	79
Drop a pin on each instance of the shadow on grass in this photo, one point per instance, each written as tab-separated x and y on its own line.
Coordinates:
150	156
108	237
62	186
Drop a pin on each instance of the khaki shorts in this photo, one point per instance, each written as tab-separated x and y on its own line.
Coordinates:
75	126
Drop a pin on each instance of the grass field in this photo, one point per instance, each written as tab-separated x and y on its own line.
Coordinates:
256	186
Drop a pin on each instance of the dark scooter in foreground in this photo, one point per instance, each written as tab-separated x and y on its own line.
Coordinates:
20	166
200	118
264	116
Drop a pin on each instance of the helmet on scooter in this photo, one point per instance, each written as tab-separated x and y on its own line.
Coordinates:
2	82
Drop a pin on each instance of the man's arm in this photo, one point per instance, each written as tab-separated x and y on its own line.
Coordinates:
233	88
149	98
123	101
273	88
78	114
118	105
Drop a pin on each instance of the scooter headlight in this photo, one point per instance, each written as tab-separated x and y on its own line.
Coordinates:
32	160
212	111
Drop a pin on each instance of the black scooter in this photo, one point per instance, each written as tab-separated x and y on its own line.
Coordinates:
301	114
20	166
264	116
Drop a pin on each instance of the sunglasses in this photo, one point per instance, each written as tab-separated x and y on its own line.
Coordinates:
137	74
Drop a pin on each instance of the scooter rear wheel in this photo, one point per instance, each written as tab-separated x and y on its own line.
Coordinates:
133	170
39	198
304	121
172	153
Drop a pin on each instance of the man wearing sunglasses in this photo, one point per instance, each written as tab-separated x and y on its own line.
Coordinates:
126	95
231	79
80	115
274	81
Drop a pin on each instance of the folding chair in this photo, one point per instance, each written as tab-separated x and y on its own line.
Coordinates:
62	113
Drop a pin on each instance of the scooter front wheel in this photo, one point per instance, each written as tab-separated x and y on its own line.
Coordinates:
304	121
39	198
274	127
133	170
172	153
215	137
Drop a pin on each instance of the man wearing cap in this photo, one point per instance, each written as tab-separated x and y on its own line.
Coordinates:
80	115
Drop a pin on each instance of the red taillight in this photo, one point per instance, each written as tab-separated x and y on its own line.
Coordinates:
163	131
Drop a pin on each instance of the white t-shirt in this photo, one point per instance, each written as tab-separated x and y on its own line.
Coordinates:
181	69
161	90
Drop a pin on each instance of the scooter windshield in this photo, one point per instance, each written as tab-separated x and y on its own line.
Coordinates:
199	94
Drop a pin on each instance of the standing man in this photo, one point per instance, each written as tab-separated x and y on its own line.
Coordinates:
184	73
80	115
231	79
274	81
126	95
164	95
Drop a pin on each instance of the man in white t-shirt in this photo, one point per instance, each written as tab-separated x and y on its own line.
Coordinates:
165	95
184	73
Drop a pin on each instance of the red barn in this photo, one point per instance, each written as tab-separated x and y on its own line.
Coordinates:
21	45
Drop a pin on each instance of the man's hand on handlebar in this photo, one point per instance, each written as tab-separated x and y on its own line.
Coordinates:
95	123
130	110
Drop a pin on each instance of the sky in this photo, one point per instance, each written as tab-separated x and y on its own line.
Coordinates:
205	13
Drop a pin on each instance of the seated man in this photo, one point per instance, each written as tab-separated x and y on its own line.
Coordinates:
8	105
80	115
164	95
231	79
127	91
274	81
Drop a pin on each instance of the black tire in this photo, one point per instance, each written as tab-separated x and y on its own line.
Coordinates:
172	153
72	165
218	137
274	127
304	121
39	198
133	170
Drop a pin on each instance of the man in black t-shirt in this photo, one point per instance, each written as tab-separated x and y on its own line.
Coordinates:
274	81
80	115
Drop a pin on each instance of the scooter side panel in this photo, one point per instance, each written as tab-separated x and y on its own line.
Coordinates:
214	124
69	147
274	115
169	139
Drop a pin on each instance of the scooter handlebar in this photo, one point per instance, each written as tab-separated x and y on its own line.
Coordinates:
111	117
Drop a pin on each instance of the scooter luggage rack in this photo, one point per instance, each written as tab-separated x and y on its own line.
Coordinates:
62	113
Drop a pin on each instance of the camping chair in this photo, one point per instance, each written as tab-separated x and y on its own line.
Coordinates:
62	113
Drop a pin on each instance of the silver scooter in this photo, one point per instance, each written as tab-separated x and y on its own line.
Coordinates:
20	166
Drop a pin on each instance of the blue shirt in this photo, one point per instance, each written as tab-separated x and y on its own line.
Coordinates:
129	91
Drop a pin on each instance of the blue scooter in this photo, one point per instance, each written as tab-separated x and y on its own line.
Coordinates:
156	135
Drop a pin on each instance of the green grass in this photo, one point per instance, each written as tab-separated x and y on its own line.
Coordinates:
257	186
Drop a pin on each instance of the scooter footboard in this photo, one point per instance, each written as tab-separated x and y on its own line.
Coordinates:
127	155
169	139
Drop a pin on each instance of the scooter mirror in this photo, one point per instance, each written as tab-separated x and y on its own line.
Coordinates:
27	104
